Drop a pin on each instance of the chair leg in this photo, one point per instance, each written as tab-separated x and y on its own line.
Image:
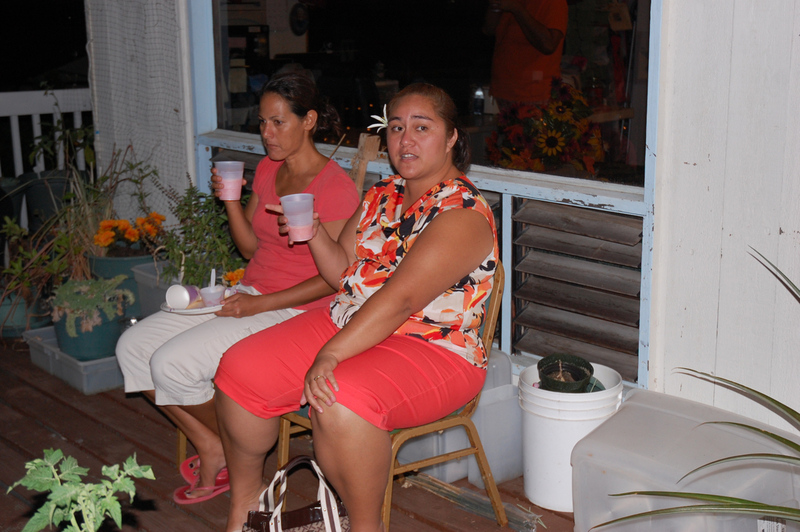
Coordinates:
180	452
486	473
283	442
386	510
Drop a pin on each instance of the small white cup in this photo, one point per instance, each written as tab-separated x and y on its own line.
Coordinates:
299	211
180	297
232	173
213	295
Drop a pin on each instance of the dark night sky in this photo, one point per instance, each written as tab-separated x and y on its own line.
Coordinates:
38	36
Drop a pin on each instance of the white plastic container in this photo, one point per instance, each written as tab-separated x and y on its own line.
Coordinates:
651	442
498	420
455	438
552	423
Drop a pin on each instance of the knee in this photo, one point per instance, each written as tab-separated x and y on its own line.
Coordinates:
335	419
125	345
165	369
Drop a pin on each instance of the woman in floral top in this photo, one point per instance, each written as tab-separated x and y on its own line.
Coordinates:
399	345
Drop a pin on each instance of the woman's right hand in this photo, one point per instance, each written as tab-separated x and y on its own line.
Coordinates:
217	186
283	227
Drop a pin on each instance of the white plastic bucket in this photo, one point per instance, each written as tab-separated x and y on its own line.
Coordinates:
552	423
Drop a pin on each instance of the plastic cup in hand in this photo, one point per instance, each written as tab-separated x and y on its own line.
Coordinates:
213	295
180	297
299	211
232	173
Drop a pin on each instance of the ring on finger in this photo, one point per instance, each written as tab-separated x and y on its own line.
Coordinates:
319	377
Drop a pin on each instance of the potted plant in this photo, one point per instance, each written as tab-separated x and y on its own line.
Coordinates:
83	507
94	307
201	240
37	263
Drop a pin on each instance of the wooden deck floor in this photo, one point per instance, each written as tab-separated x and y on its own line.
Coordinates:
39	411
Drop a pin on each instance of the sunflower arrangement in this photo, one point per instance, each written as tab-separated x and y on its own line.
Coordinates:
123	238
547	136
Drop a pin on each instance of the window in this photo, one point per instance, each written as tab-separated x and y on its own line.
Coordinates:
361	52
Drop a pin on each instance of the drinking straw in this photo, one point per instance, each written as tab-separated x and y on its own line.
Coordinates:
213	277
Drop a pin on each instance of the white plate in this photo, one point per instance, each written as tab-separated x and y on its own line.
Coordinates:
190	311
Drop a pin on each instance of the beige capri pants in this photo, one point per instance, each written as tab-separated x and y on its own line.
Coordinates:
177	355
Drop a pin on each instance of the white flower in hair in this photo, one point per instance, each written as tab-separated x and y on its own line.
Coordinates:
383	122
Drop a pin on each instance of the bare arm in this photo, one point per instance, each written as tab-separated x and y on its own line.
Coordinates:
451	247
333	247
333	254
545	40
241	305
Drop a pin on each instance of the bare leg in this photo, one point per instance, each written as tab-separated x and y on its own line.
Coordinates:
246	439
354	455
199	423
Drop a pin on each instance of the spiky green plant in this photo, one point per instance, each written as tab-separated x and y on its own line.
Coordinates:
80	506
731	505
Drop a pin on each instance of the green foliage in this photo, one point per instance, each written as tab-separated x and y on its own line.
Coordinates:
201	241
81	507
85	299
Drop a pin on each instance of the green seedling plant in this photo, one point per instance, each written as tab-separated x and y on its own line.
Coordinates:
716	504
80	506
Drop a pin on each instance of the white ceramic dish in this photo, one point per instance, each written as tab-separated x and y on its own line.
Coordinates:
190	311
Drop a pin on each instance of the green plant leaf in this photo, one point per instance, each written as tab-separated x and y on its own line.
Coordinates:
65	494
39	521
780	512
769	402
778	273
790	460
70	471
771	435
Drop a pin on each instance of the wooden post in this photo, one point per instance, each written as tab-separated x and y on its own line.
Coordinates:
368	146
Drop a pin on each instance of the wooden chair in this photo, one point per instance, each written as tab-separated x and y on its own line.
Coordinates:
295	422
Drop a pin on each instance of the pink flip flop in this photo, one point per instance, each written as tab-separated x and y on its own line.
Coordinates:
190	469
179	496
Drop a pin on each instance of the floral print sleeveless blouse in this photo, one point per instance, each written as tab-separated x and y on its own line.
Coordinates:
383	237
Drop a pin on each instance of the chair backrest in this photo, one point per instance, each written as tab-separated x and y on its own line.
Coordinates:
489	325
493	307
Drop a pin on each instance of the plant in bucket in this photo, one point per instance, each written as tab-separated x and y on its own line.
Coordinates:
554	420
94	308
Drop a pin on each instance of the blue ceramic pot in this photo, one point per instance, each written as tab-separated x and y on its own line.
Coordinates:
100	342
110	267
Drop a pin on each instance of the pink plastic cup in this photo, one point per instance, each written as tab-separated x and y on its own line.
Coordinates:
299	211
180	297
232	173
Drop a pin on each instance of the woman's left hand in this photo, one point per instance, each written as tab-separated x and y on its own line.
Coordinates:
320	382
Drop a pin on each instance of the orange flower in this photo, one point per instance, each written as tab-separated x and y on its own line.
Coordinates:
123	225
107	225
131	234
157	218
233	278
104	238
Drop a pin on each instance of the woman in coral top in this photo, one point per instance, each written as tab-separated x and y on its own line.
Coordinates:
399	345
171	358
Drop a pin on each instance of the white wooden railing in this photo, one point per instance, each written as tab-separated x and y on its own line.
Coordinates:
35	104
